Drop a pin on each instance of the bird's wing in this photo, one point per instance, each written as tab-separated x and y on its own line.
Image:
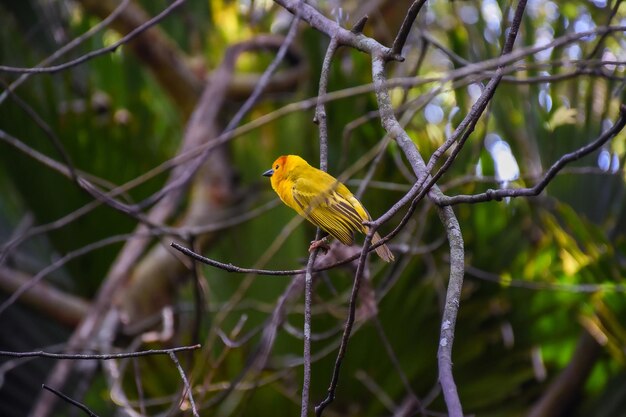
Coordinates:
328	210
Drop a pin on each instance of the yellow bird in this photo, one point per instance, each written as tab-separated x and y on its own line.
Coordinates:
321	199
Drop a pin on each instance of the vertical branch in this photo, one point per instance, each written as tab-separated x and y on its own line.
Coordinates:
308	294
320	120
453	230
320	109
451	309
139	386
319	409
448	218
186	388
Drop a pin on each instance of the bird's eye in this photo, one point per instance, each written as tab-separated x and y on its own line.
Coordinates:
276	167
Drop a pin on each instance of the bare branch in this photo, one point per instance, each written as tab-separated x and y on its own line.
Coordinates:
306	356
396	363
59	263
196	136
63	307
103	356
403	33
68	47
600	42
344	37
359	25
320	119
466	127
45	127
565	390
320	110
233	268
605	287
70	400
98	52
550	173
358	276
187	388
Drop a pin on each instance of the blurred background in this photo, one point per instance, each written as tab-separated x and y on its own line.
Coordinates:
89	153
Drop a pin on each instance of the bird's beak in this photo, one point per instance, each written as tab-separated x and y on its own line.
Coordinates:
268	173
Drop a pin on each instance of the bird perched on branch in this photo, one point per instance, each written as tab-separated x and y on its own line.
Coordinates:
323	200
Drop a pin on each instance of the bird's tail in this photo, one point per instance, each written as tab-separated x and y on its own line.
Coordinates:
382	251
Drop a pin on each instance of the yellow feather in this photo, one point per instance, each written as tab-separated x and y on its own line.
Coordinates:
322	200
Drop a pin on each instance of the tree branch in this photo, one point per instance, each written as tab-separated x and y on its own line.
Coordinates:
557	399
344	37
62	307
98	356
403	33
187	388
548	176
155	50
358	276
70	400
105	22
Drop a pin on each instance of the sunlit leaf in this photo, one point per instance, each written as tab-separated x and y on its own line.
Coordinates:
562	116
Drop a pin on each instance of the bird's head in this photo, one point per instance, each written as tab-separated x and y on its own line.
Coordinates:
284	166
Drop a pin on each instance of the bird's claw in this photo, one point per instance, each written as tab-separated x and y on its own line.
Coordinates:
321	244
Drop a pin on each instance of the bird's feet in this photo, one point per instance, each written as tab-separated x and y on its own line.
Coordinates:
321	244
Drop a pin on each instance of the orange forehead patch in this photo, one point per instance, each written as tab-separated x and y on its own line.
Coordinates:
281	160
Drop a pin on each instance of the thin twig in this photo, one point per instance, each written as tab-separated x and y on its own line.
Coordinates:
187	388
345	37
375	389
70	400
396	363
233	268
359	25
47	130
320	110
90	356
68	47
98	52
181	179
466	127
309	103
139	386
228	267
82	183
603	37
427	38
59	263
306	356
265	77
403	33
358	277
604	287
258	359
548	176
